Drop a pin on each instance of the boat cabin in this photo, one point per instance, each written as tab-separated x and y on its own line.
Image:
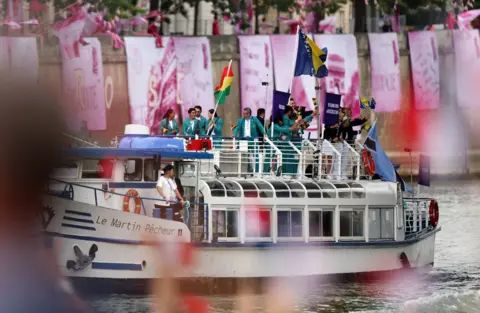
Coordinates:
239	209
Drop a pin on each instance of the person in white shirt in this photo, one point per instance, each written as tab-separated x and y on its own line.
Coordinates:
168	191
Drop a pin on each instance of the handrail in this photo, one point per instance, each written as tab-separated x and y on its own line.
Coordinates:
119	194
357	157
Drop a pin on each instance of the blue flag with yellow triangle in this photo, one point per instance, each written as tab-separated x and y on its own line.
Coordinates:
310	58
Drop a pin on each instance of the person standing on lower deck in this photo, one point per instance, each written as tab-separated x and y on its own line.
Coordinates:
248	128
168	191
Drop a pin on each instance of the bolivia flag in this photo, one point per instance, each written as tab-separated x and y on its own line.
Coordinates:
223	89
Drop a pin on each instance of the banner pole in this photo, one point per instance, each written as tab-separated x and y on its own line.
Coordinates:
319	121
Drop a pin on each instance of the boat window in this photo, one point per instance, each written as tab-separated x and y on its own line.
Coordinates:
66	170
249	189
289	223
313	191
380	223
296	189
149	172
321	223
225	223
233	190
133	170
343	190
281	190
216	188
264	189
328	191
351	222
257	223
97	169
358	192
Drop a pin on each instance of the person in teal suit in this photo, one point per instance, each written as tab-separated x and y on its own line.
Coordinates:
248	128
191	126
201	118
169	126
215	128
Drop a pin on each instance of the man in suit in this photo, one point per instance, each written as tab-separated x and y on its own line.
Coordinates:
191	126
201	118
248	128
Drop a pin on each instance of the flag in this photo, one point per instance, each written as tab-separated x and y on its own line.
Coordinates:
310	58
424	170
280	100
383	166
364	103
223	89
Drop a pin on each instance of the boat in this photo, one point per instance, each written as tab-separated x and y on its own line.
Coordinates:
248	218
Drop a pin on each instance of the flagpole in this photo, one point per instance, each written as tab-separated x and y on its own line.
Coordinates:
294	59
265	83
218	100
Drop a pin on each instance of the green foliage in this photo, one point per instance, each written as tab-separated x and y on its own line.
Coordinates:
230	9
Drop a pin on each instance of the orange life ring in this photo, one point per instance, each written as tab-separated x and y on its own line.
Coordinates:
368	162
126	201
433	212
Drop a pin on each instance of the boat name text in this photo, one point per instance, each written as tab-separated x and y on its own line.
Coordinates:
134	226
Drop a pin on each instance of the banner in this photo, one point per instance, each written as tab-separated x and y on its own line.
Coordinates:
19	57
332	107
303	87
467	65
280	101
83	83
194	74
342	64
152	80
256	67
385	71
425	69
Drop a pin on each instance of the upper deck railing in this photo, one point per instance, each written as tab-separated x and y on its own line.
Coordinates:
263	156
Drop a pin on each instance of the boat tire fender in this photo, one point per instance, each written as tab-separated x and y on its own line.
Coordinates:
368	162
433	212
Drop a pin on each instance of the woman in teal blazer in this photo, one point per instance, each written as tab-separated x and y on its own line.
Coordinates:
169	126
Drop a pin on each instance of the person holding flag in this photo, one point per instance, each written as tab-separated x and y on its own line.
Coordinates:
221	92
215	128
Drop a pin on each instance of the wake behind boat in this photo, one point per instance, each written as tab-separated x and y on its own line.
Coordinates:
249	219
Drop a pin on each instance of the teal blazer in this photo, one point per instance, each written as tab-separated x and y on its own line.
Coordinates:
203	123
196	130
170	130
254	126
218	128
279	131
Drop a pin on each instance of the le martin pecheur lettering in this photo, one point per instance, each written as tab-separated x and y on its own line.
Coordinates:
134	226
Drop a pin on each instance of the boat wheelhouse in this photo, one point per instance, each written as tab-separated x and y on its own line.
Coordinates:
244	198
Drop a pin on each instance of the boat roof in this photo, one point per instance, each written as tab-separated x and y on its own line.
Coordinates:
132	152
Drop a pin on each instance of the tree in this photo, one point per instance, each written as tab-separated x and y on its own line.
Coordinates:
319	8
234	11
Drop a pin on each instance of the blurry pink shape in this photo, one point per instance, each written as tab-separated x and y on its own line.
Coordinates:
328	24
117	42
36	6
450	20
289	21
31	22
464	19
138	20
298	92
152	14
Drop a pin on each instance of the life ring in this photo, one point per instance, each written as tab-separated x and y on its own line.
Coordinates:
433	212
368	162
132	193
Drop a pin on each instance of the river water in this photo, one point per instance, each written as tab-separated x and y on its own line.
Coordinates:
452	286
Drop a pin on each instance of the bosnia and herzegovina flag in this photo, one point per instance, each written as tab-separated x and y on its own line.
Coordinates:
383	166
310	58
364	103
223	89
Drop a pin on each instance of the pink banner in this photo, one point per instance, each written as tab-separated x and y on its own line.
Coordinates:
194	73
256	67
83	83
467	65
152	81
385	71
342	64
303	87
425	69
19	57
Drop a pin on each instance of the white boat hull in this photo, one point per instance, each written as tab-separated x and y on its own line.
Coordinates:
120	255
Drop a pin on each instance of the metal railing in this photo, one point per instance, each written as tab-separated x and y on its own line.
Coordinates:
417	216
195	217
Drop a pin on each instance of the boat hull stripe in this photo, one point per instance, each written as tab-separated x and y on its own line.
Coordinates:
116	266
78	213
258	244
80	220
78	227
